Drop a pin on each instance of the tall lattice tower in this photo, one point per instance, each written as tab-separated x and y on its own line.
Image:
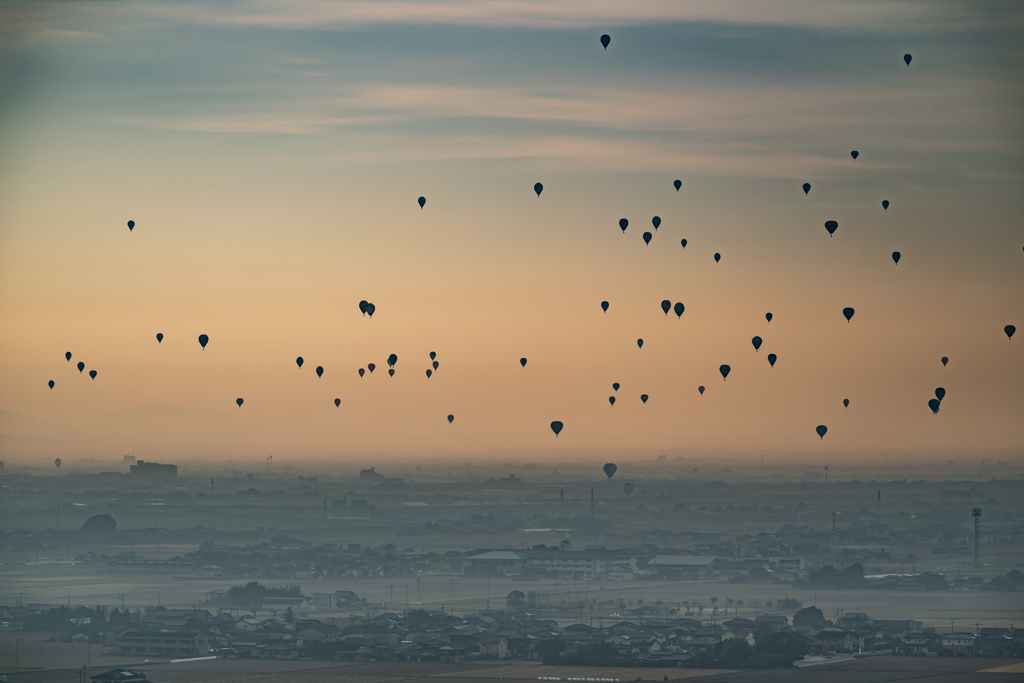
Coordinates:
976	513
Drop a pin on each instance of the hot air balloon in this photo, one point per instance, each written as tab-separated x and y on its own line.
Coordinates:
68	356
656	222
239	402
896	257
628	488
391	372
855	154
392	359
647	237
131	224
159	337
522	361
429	373
605	40
848	313
724	369
92	374
821	429
666	306
700	390
846	403
433	355
683	242
679	308
50	384
81	366
940	393
885	205
831	226
718	257
604	306
362	306
768	317
945	360
611	399
299	361
934	404
361	372
771	359
610	469
370	308
203	340
538	188
422	201
677	184
615	386
435	364
756	341
57	463
1009	330
623	224
643	398
371	367
556	427
907	58
807	188
640	343
319	371
337	402
451	418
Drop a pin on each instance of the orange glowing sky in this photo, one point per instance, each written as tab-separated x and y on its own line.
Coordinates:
271	155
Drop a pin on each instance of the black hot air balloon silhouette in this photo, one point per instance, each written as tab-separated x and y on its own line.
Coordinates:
392	359
159	337
718	257
700	390
640	343
666	306
848	313
771	359
239	401
656	222
556	427
370	308
821	429
724	369
855	154
362	306
831	226
945	359
92	374
421	201
647	238
57	462
679	308
451	418
807	188
1009	330
433	355
429	373
337	402
846	403
756	341
628	489
896	257
623	224
611	399
371	367
610	469
934	404
391	372
885	205
435	364
50	384
677	184
319	371
940	393
768	317
522	361
605	40
643	398
81	366
683	242
203	340
538	188
131	224
361	372
615	386
68	356
299	361
604	306
907	58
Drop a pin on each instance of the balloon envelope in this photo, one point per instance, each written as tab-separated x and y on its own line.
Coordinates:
854	154
57	463
724	369
319	371
807	188
610	469
239	402
643	398
604	306
371	367
435	364
68	356
1009	330
615	386
611	399
451	418
50	384
522	361
433	355
756	341
628	488
159	338
677	184
666	306
683	242
647	237
718	257
538	188
605	40
771	359
131	224
821	429
361	372
299	361
700	390
203	340
885	205
846	403
768	317
679	308
422	201
392	359
623	223
81	366
907	58
362	306
391	372
934	404
940	393
831	226
92	374
640	343
656	222
429	373
337	402
896	257
556	427
848	313
370	308
945	360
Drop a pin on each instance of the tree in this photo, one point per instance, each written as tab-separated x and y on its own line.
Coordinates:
550	650
777	650
516	601
289	615
735	654
417	619
809	616
100	524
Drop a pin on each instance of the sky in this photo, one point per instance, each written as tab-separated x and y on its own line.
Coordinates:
271	155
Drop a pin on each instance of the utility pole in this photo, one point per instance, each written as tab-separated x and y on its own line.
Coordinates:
976	513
